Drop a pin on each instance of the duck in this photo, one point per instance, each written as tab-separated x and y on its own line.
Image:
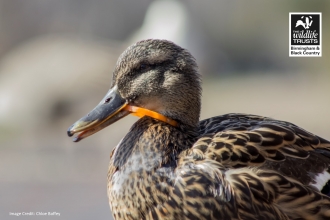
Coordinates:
171	165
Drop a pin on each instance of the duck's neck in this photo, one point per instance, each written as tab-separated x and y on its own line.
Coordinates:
151	144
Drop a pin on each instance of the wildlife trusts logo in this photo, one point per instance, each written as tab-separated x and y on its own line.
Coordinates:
305	34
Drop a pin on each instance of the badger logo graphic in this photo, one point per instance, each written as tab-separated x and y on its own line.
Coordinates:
307	24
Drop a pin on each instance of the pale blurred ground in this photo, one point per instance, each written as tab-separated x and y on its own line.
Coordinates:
56	59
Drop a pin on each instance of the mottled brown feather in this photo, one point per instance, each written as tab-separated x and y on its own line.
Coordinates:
240	140
221	176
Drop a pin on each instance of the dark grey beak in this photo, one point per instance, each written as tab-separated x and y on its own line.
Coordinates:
108	111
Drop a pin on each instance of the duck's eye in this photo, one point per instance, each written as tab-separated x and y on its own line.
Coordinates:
144	66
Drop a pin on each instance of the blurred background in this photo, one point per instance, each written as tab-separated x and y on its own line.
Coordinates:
56	61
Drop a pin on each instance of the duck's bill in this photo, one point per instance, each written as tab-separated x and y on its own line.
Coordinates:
108	111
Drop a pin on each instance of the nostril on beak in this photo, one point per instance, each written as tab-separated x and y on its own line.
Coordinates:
107	100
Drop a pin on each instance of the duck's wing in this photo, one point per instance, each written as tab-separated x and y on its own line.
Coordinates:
236	158
241	140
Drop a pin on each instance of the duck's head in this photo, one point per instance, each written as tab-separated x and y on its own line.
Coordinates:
156	78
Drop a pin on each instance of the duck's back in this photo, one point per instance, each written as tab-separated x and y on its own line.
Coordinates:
241	140
270	165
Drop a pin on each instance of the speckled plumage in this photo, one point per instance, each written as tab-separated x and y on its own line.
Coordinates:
234	166
237	168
